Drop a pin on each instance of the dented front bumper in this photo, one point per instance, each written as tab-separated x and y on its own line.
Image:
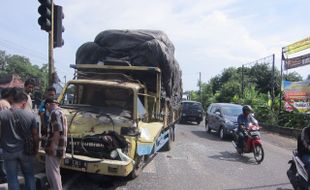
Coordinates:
93	165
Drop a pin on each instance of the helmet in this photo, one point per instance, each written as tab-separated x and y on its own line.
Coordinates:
247	108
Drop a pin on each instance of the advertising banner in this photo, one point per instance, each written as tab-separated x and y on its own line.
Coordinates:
297	95
299	49
297	61
297	46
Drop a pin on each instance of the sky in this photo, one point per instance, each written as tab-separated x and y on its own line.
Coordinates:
208	35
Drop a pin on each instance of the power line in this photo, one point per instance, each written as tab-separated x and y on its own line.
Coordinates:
20	47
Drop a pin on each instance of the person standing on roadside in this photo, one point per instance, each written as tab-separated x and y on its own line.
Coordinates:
4	104
56	143
6	100
43	113
29	86
13	123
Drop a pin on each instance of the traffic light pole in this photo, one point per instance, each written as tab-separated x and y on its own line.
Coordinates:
48	13
50	50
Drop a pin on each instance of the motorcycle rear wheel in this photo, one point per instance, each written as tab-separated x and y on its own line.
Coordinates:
258	152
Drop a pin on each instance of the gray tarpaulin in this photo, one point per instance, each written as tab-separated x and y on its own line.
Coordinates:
140	48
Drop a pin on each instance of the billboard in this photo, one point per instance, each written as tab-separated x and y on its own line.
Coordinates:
297	95
297	46
291	61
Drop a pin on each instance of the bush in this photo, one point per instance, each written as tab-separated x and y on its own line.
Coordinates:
293	119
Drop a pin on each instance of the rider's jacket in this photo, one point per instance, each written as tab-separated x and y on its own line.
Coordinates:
245	120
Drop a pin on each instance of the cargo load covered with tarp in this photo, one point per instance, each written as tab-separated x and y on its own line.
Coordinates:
149	48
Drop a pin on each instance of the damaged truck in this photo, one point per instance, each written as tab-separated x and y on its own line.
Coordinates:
123	103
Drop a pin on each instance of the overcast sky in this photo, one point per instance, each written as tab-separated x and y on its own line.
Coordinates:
208	35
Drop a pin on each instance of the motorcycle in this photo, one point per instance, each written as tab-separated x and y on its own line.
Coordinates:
252	142
297	173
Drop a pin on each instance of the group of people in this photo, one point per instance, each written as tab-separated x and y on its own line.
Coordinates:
17	119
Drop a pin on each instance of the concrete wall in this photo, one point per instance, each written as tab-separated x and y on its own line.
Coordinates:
291	132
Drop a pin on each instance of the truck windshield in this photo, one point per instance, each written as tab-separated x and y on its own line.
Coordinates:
98	96
140	108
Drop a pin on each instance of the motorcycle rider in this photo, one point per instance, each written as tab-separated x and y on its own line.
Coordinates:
303	147
243	122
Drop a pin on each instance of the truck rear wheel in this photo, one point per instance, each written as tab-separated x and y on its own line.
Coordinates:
171	138
167	146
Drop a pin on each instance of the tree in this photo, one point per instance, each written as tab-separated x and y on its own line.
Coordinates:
2	59
16	64
293	77
228	91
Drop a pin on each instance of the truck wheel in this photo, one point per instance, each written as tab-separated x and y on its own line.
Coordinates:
139	163
167	146
172	133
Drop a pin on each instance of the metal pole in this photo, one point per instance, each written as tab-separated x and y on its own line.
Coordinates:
242	81
50	49
200	87
280	103
273	82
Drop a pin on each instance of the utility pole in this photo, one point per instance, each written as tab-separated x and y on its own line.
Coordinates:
200	94
242	81
273	83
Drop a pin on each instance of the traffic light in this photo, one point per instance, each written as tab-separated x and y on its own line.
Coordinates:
45	19
58	27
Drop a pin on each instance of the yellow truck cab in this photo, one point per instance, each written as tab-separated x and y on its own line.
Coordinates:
117	118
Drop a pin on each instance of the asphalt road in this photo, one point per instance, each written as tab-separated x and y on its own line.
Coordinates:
199	160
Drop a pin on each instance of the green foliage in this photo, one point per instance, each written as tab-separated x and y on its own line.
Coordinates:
261	75
293	119
16	64
226	87
228	91
293	77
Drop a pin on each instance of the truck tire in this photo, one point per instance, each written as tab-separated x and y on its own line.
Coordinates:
139	163
167	146
172	133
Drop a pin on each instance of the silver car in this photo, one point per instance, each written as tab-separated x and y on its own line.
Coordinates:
222	118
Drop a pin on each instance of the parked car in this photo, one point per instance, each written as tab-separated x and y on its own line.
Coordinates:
192	111
222	117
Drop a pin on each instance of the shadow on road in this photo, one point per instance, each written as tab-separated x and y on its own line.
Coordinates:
204	134
188	123
81	181
264	187
234	157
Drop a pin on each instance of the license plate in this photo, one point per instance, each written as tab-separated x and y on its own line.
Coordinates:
74	163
